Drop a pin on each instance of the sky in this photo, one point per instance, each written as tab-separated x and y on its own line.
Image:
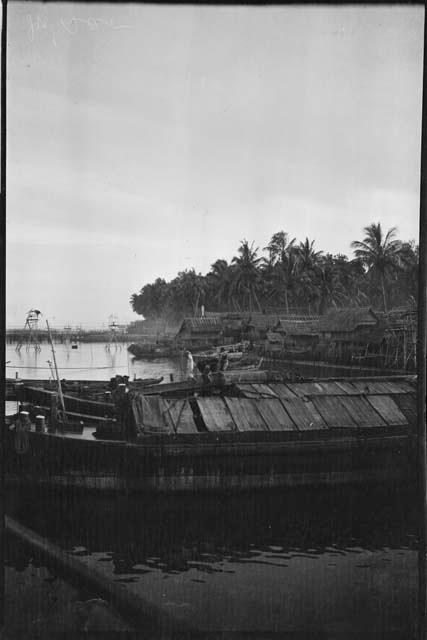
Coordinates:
144	140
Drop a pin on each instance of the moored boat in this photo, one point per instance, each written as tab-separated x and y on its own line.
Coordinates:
84	389
151	351
241	436
234	352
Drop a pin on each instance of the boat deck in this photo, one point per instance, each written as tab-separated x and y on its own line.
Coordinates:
283	407
269	412
242	436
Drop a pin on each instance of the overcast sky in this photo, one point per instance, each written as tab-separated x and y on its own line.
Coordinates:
145	140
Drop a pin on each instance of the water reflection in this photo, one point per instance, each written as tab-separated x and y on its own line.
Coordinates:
92	361
294	560
101	361
174	534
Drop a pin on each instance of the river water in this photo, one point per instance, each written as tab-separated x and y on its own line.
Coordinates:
334	562
90	361
101	361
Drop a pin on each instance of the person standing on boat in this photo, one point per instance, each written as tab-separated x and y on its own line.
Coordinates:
21	427
189	366
207	375
223	360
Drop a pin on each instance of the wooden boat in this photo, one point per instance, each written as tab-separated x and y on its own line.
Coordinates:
151	351
239	437
82	385
88	389
43	398
235	352
246	363
81	400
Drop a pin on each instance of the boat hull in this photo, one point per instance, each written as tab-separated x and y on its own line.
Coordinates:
176	466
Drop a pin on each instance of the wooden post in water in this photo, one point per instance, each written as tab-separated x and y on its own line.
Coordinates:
61	397
421	362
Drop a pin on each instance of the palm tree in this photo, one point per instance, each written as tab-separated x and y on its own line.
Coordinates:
380	253
331	289
188	290
281	266
284	273
308	258
279	246
219	281
247	275
307	271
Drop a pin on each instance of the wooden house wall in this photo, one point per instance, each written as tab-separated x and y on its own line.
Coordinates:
198	339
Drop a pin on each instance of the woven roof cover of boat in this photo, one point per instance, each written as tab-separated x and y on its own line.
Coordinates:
320	405
157	415
307	406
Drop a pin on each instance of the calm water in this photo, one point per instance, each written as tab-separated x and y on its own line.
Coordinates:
331	562
343	562
91	361
100	361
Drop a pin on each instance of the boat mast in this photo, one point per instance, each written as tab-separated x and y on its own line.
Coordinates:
61	397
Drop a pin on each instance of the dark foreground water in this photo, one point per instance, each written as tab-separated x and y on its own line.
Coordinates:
298	561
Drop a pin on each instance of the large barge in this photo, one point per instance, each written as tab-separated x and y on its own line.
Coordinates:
239	437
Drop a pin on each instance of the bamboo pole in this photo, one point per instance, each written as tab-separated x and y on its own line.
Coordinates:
61	397
144	615
421	360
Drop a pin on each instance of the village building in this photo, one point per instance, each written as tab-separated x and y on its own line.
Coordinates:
299	335
273	344
199	333
348	334
256	325
400	342
241	325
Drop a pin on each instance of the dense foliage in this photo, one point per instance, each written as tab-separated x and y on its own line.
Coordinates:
292	278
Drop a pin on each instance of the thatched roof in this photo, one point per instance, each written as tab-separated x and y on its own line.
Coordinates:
201	325
297	327
342	320
274	338
260	321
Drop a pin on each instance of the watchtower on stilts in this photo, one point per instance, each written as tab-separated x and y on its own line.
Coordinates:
30	335
113	329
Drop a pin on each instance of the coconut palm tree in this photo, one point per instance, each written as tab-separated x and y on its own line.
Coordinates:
381	255
280	266
246	280
285	276
308	258
189	290
307	273
330	288
219	281
279	246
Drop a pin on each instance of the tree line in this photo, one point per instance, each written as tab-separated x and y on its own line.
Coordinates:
293	277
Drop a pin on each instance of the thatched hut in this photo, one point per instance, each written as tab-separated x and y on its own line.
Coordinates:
256	325
198	333
298	335
344	332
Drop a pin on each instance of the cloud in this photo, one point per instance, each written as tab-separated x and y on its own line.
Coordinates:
138	153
